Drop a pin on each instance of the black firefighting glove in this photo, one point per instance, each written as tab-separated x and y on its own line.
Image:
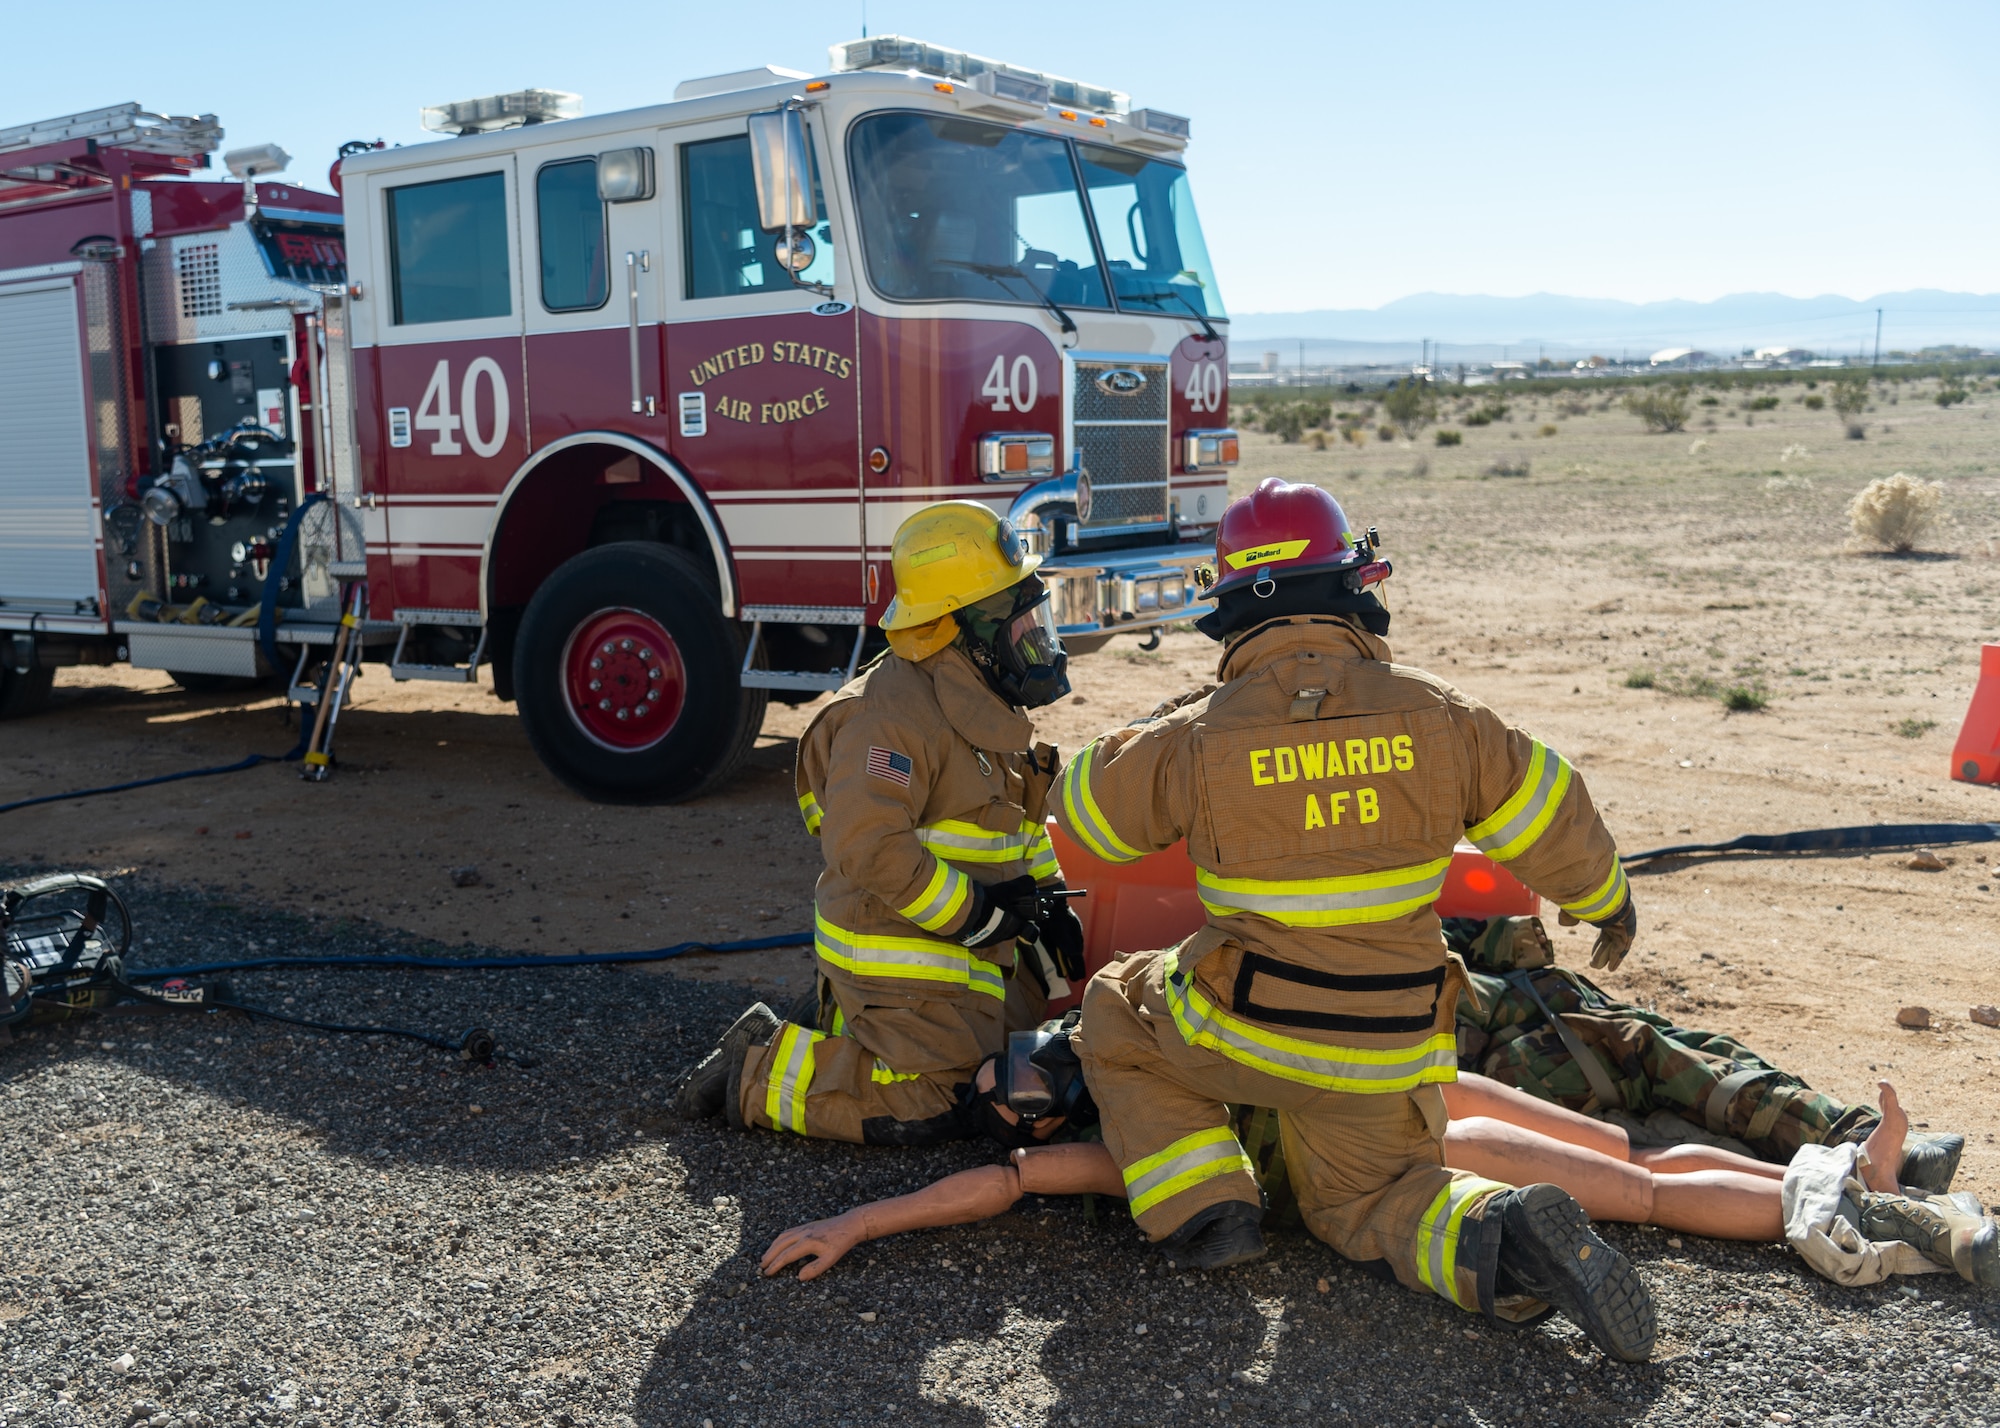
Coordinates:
1614	936
1062	932
1003	912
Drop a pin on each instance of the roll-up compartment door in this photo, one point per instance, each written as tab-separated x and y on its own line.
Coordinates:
48	545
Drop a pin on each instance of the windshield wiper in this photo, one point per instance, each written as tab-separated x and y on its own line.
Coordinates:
994	272
1155	294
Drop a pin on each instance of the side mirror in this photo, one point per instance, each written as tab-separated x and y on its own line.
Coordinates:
782	169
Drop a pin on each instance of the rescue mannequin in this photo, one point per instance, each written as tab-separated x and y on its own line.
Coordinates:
1320	790
925	786
1494	1130
1640	1063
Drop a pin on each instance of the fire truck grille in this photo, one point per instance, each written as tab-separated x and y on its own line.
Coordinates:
1094	403
1121	440
1128	470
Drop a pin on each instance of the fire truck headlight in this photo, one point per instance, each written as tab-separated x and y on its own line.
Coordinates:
1209	450
625	175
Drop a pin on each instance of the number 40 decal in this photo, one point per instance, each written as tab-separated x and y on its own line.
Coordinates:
1018	384
434	413
1204	387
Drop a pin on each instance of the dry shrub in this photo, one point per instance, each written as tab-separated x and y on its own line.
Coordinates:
1316	439
1897	511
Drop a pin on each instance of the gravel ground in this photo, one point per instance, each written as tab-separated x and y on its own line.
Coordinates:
280	1227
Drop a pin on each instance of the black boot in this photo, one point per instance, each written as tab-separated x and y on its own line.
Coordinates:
1548	1250
701	1092
1221	1235
1930	1162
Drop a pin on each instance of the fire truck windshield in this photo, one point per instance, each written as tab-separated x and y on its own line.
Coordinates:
951	208
1151	237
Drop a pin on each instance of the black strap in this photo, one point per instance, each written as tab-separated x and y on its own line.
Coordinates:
1256	964
1593	1072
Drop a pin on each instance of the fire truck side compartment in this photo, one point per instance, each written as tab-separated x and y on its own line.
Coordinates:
48	542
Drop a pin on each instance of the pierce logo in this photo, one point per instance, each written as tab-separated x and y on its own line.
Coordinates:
1266	554
1121	382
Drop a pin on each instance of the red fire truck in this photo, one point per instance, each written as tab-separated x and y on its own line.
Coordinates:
626	408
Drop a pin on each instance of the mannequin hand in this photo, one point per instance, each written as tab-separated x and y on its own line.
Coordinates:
825	1241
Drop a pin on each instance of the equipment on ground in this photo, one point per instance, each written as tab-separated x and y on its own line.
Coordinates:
63	940
694	521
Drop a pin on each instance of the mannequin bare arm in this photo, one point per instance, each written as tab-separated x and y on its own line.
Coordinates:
955	1200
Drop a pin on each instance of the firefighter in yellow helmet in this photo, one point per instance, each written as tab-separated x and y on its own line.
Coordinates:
936	925
1321	790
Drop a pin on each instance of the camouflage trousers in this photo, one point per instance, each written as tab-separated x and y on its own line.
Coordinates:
1714	1081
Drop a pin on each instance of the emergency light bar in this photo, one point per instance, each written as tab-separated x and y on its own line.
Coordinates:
899	52
500	111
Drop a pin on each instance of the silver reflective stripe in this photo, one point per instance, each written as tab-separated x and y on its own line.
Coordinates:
888	957
791	1114
999	847
1287	1057
1414	887
1144	1192
1437	1226
1534	806
984	977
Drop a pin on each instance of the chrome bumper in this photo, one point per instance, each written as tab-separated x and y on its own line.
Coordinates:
1125	589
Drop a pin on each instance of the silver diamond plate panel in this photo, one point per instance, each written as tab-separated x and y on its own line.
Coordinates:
195	285
1128	473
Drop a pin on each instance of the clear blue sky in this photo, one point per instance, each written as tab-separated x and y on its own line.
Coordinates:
1344	154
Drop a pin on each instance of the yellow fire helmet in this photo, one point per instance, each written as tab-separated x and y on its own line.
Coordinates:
946	557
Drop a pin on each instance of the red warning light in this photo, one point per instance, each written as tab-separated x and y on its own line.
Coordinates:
1480	881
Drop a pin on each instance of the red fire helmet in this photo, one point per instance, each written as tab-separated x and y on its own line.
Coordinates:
1283	529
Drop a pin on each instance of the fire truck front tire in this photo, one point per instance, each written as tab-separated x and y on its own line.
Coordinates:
24	692
627	677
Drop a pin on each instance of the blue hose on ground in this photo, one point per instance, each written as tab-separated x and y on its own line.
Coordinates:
471	964
237	767
1826	840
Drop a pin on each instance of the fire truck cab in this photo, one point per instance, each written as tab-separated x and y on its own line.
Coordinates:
629	407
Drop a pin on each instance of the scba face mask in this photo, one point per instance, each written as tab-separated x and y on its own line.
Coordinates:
1012	638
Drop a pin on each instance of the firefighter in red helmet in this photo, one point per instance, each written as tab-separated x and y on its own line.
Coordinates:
1321	789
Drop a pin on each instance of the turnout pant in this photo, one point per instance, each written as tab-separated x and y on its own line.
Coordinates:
881	1074
1367	1169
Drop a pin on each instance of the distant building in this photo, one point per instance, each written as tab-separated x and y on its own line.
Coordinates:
1782	354
1678	357
1270	363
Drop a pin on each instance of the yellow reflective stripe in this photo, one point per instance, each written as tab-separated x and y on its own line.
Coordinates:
965	842
1605	901
839	1021
881	1075
1326	902
1087	820
1042	863
1310	1063
809	810
944	897
913	959
791	1077
1438	1232
1183	1165
1516	824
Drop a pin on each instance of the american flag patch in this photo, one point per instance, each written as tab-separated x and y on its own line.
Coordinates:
887	763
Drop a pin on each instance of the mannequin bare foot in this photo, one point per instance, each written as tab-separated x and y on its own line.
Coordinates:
1882	1152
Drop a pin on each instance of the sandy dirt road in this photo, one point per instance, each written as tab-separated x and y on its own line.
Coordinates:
1715	556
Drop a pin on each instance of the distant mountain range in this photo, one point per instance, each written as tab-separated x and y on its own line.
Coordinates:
1474	327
